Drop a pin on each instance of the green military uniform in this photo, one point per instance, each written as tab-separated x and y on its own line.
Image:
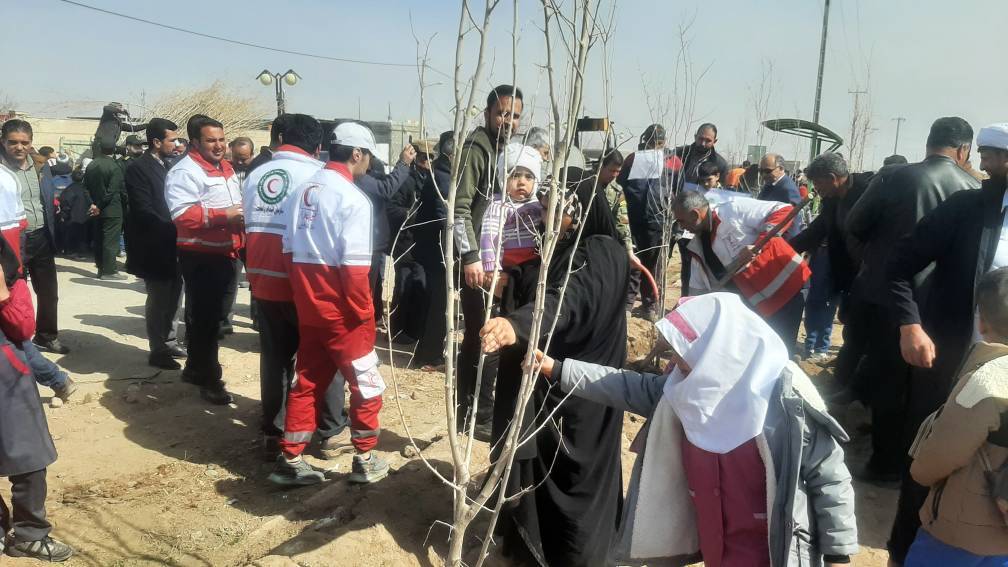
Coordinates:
104	181
617	204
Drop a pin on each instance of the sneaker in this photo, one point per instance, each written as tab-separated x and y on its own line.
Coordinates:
54	346
116	277
298	473
819	358
337	445
45	549
164	361
371	470
216	395
66	390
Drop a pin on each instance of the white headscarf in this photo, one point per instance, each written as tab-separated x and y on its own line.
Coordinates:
515	155
736	359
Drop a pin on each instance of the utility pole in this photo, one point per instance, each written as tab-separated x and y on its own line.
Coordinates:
814	150
899	120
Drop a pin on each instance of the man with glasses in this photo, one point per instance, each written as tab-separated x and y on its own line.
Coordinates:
778	186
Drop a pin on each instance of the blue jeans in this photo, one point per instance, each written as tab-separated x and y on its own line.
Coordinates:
927	551
45	371
821	305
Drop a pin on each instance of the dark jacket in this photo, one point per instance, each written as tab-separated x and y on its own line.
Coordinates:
432	214
401	213
74	203
379	188
784	191
647	201
829	227
891	208
150	242
959	237
104	181
691	159
47	194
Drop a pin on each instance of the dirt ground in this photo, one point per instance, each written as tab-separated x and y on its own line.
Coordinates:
149	474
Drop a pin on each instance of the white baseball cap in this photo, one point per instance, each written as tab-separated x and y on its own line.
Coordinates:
993	136
354	135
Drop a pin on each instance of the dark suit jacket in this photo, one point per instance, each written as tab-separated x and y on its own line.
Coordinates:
784	191
960	237
150	242
829	226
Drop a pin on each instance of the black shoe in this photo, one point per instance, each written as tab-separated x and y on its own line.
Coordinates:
225	330
178	352
189	378
216	395
163	361
45	549
53	346
116	277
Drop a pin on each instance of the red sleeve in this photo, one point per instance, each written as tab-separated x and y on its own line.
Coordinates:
17	314
775	218
357	288
196	217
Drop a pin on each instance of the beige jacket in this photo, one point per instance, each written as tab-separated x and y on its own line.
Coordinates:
959	511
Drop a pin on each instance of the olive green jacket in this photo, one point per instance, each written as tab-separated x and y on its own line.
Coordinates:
476	187
105	183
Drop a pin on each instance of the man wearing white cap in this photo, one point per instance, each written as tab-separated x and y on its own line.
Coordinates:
329	239
965	237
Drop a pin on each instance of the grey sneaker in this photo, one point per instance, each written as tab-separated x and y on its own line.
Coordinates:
371	470
45	549
337	445
299	473
66	390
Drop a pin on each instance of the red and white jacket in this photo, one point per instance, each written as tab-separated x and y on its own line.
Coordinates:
329	241
267	198
197	194
774	276
12	214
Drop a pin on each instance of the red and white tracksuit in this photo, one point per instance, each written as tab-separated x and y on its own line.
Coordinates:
267	201
329	240
774	276
12	214
198	195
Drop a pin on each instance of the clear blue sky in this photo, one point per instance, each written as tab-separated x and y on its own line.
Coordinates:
928	58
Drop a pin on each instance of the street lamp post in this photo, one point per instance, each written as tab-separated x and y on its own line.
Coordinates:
290	77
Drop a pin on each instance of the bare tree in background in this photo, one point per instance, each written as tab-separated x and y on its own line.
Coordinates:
7	104
239	114
861	121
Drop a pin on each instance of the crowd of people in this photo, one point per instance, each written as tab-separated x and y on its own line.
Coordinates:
740	463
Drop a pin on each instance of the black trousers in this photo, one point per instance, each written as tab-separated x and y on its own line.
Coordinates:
39	261
649	250
849	370
162	311
207	280
473	309
889	377
431	341
409	307
687	266
26	514
107	249
231	296
278	344
376	277
787	319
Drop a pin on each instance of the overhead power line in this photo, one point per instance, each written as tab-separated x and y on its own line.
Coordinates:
246	43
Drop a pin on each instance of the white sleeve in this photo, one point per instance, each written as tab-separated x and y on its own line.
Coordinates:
357	232
181	192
